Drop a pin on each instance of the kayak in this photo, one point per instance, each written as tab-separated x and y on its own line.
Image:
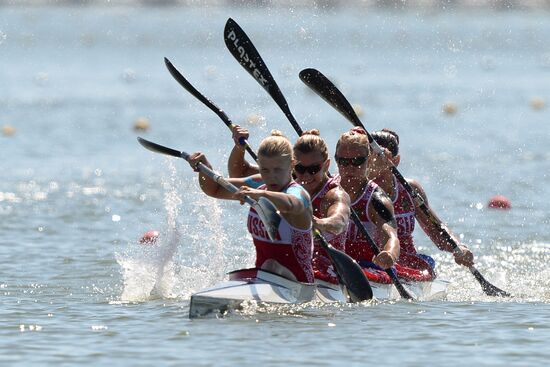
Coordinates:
262	286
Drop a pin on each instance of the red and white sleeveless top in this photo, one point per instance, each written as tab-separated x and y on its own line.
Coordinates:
356	244
322	266
405	214
293	247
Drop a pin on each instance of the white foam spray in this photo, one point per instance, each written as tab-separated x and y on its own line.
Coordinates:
187	256
149	271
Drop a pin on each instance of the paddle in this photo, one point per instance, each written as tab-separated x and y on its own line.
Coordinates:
208	103
348	271
243	50
265	209
330	93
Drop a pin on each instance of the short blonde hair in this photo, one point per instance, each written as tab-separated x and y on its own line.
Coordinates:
356	136
276	145
311	141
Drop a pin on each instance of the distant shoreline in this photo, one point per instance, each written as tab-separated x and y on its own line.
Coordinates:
318	4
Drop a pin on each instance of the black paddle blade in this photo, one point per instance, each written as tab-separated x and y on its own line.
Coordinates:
157	148
195	93
180	78
487	287
321	85
243	50
269	216
351	275
208	103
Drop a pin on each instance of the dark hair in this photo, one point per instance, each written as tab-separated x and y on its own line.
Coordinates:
387	139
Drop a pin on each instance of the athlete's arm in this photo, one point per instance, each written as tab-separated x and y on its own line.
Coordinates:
380	211
237	165
294	204
337	214
211	187
432	227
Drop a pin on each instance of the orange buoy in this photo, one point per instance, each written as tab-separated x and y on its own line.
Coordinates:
142	124
149	238
499	202
537	103
8	130
450	108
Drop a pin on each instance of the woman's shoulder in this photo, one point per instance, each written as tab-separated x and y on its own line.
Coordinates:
338	194
416	185
294	188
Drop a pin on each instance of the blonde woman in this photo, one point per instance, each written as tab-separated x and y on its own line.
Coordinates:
290	254
330	203
371	204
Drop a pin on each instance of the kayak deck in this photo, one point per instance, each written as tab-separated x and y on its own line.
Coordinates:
260	286
266	287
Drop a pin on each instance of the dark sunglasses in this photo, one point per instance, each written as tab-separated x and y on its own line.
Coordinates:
354	161
313	169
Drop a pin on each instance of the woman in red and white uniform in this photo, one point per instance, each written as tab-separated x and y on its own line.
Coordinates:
406	210
290	254
369	201
330	203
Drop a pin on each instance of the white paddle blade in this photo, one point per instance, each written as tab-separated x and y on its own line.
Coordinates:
269	216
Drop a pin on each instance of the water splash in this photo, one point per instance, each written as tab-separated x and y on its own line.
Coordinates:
202	257
186	257
149	271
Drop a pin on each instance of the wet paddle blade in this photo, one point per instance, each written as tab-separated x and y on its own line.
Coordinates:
352	275
487	287
349	273
321	85
154	147
243	50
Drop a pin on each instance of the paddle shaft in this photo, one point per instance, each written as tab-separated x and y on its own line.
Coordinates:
208	103
243	50
207	171
331	94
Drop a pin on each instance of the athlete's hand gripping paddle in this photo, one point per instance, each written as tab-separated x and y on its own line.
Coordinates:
265	208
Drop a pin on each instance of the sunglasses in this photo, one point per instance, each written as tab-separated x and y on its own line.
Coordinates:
313	169
354	161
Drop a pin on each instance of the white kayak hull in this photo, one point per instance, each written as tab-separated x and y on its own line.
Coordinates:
265	287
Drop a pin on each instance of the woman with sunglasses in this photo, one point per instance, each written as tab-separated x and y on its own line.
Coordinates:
290	255
330	203
406	210
369	201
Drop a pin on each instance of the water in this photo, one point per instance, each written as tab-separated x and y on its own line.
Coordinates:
77	191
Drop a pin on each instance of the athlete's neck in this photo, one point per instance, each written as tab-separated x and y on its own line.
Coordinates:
319	187
354	186
385	181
